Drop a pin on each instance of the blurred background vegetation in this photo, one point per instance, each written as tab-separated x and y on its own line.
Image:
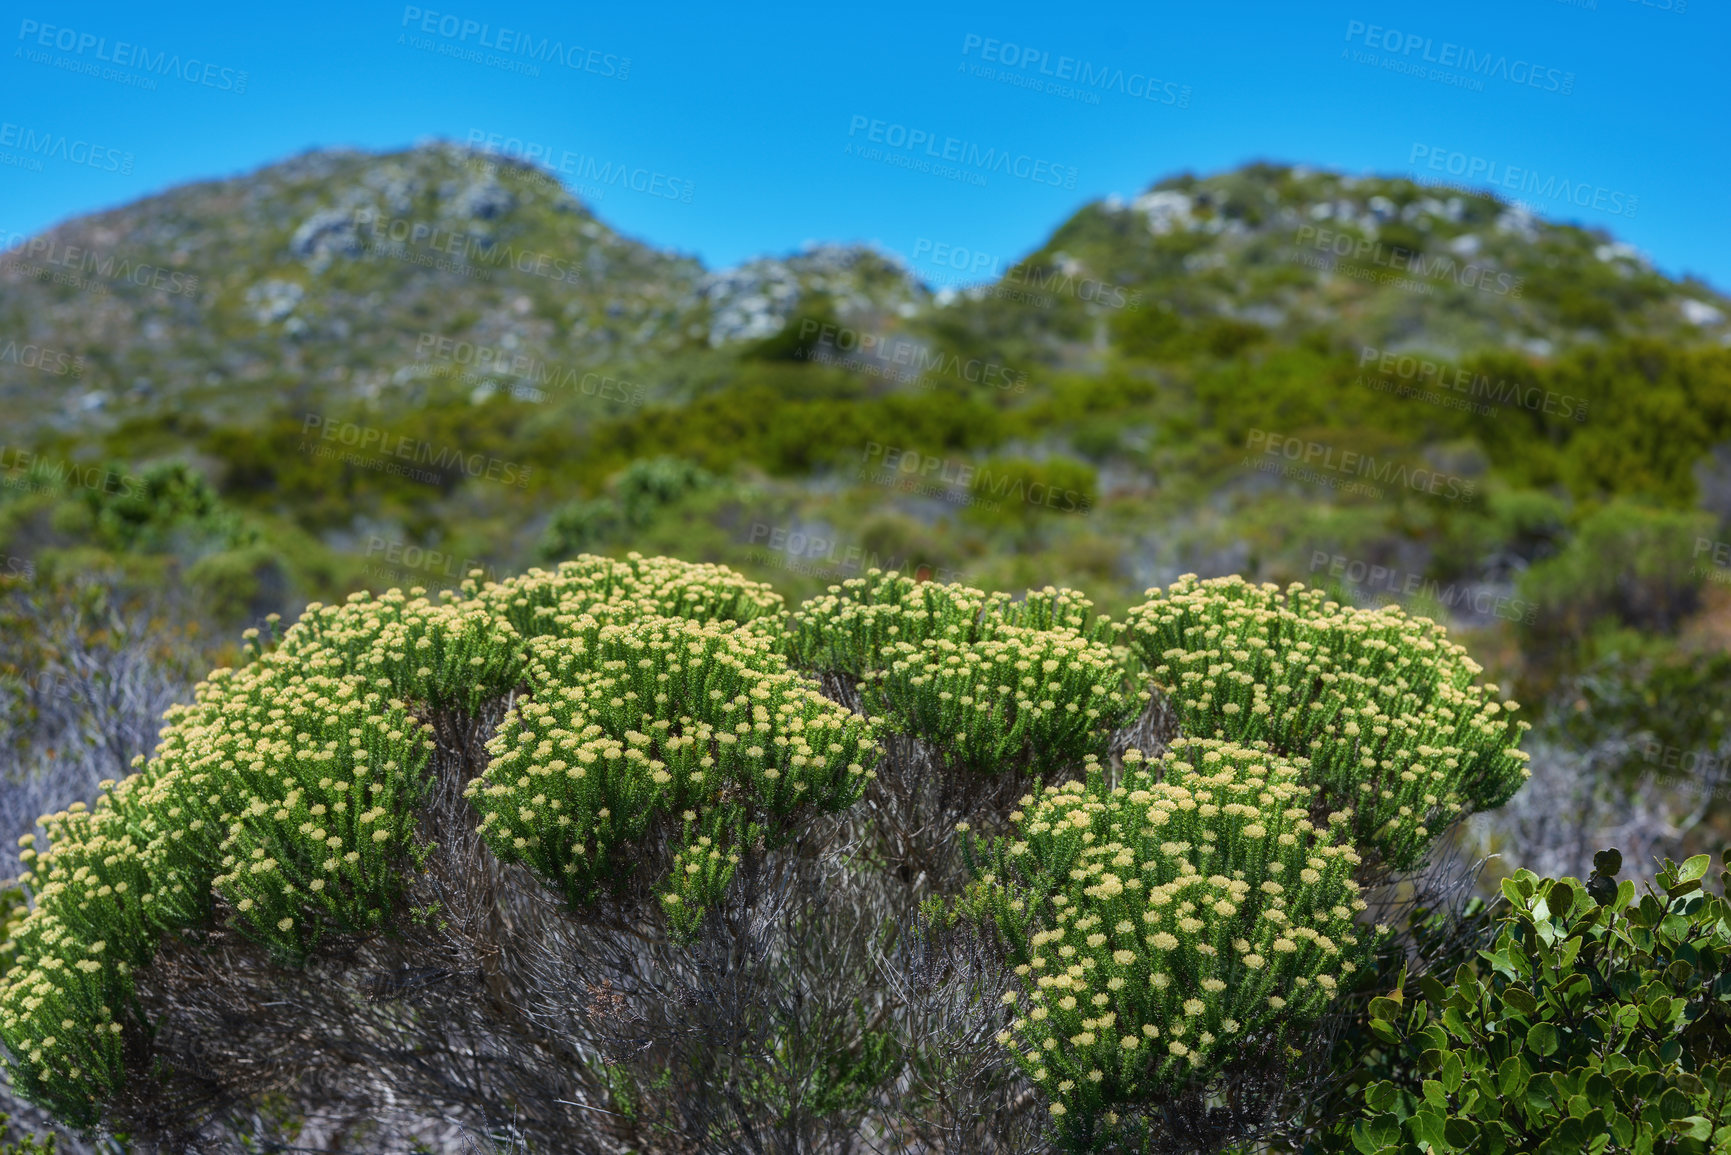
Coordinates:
1094	419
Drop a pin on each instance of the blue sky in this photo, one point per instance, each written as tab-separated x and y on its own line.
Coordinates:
741	121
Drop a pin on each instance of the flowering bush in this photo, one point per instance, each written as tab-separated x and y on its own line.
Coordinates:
849	629
546	603
991	683
1187	917
1383	706
628	724
283	801
639	735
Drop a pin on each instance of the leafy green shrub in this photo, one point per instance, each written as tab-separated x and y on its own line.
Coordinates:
652	731
545	603
1202	917
642	490
1594	1023
283	801
1040	699
1382	706
651	718
990	683
166	501
850	629
1634	564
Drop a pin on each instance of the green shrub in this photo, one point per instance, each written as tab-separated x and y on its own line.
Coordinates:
284	800
654	730
1202	918
166	502
630	724
1630	563
1382	706
1594	1023
640	492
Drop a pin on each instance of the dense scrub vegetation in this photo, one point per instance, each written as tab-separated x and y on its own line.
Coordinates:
913	867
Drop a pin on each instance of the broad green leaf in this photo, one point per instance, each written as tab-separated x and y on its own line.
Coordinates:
1452	1072
1674	1104
1522	1002
1693	1126
1512	1076
1460	1132
1608	861
1542	1039
1694	868
1381	1096
1428	1127
1602	888
1513	893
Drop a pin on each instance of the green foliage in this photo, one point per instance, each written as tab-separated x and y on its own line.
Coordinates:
1012	490
1630	563
284	800
628	724
851	629
546	603
1382	706
658	728
638	494
166	502
1594	1023
24	1144
1202	916
1024	698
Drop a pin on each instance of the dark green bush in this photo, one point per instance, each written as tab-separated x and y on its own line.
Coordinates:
1595	1022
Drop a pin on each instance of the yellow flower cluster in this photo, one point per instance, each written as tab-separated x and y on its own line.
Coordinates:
283	800
991	682
547	603
626	725
1381	706
849	629
1160	926
1040	699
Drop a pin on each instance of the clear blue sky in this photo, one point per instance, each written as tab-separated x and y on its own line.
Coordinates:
749	110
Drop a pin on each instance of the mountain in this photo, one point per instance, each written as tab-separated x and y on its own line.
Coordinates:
274	331
343	271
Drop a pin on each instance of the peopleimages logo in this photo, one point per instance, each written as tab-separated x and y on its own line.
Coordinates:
1488	65
1476	385
585	167
799	552
60	147
1372	577
1525	180
860	349
126	55
443	458
465	247
77	259
487	359
1439	267
1315	454
41	358
547	50
909	470
1042	282
929	144
1137	85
